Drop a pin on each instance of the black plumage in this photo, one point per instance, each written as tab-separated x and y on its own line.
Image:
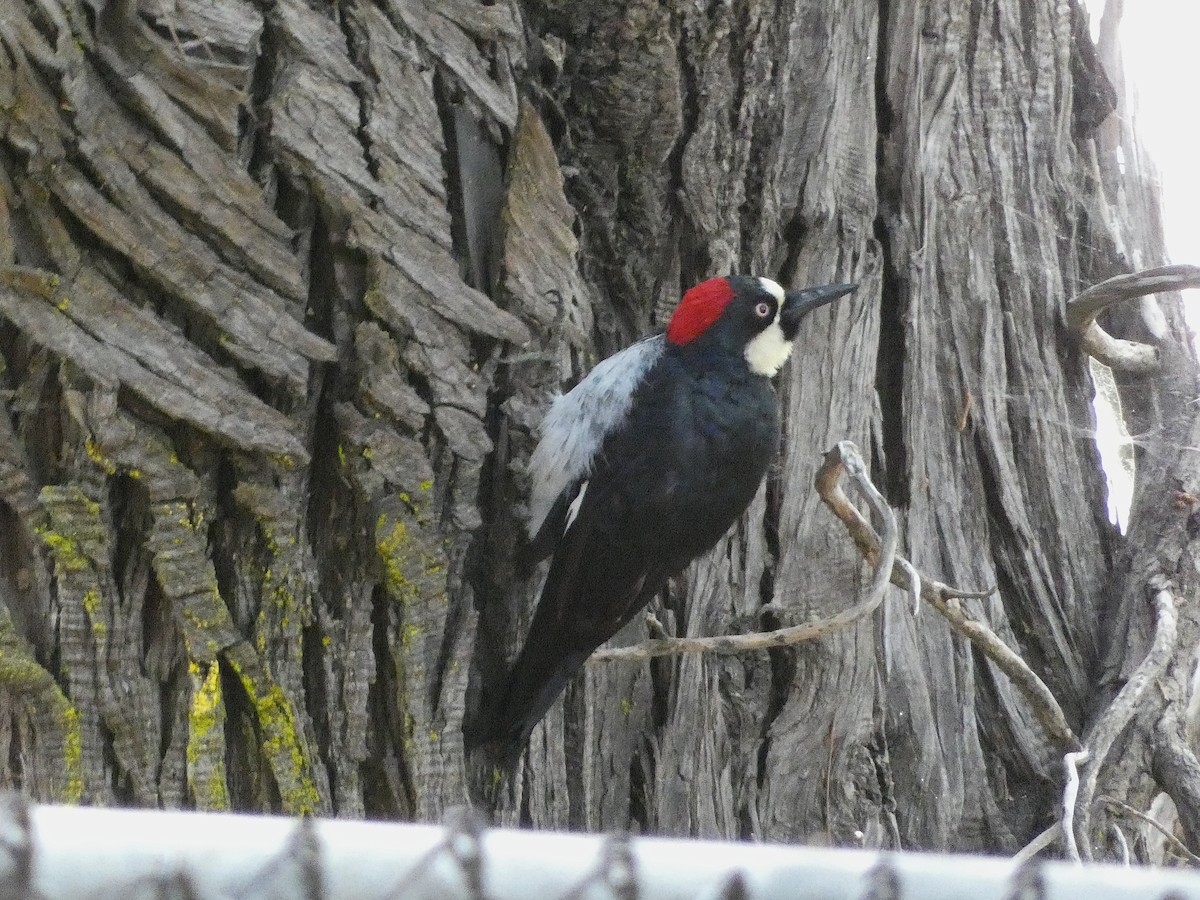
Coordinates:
664	483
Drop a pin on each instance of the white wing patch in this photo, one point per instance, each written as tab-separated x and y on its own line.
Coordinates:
578	422
573	509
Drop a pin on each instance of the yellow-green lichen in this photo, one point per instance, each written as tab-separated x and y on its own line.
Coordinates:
206	704
285	461
281	744
194	520
91	605
285	600
64	547
72	755
206	716
411	571
74	522
393	546
207	616
408	731
96	455
22	676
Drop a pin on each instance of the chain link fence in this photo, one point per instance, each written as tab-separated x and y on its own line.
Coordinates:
51	852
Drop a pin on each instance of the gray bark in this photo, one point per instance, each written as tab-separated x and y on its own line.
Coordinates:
286	288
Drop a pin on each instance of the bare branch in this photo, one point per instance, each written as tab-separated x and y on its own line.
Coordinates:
1071	762
1122	843
914	584
943	598
839	461
1119	713
1129	357
845	459
1153	823
1038	844
842	460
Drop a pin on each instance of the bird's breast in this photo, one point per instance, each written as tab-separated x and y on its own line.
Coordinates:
721	448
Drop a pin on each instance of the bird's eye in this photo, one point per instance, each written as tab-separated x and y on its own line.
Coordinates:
762	310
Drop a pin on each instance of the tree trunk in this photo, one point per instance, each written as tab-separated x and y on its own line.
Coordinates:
287	288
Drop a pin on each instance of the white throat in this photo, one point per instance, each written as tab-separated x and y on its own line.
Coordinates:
769	349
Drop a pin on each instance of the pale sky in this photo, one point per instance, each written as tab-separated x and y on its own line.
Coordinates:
1159	42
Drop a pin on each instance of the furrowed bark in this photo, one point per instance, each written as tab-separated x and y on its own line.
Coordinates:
285	290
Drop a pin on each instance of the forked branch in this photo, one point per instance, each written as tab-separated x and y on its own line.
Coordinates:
880	552
1129	357
944	599
1123	708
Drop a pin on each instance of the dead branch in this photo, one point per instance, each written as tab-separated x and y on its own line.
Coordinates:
1119	713
1072	762
1123	844
1129	357
843	459
1038	844
944	599
1153	823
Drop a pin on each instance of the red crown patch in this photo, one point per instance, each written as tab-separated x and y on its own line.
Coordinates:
699	308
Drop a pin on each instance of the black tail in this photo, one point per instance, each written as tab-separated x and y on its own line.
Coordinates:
507	718
594	586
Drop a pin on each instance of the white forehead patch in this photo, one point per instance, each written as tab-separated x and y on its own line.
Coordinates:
773	289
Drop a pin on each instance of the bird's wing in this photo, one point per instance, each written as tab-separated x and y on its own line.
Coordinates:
573	431
602	574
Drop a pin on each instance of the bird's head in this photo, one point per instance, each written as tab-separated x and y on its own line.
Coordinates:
755	314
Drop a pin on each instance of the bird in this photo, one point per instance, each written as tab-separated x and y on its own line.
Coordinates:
639	469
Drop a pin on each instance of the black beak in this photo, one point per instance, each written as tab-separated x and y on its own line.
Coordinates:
798	304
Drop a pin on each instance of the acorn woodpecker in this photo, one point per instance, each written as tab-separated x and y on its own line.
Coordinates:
641	468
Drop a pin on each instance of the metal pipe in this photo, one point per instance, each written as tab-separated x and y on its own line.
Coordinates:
70	852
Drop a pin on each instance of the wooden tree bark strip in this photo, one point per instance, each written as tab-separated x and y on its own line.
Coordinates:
58	764
29	300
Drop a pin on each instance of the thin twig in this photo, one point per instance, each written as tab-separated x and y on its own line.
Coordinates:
1037	845
842	460
1071	762
1129	357
914	584
1153	823
1119	713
